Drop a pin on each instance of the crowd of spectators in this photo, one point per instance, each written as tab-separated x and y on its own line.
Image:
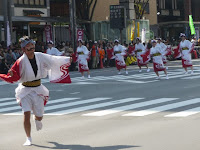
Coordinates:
101	53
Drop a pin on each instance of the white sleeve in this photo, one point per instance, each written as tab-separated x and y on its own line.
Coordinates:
58	53
85	50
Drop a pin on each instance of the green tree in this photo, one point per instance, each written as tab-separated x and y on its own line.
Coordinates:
140	7
85	12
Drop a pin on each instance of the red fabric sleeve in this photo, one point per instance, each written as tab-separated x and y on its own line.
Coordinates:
16	74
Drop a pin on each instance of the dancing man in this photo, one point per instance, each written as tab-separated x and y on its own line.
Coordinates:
29	69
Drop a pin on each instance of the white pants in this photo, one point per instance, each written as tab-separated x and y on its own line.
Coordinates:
33	102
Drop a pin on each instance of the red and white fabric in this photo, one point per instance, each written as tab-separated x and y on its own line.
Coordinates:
157	60
186	54
120	52
141	56
56	67
82	58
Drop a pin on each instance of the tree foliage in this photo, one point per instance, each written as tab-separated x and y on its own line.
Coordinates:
140	6
85	11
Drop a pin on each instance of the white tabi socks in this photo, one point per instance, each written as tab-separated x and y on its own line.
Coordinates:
28	141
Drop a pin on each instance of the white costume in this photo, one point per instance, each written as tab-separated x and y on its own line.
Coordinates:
156	52
83	55
163	51
55	66
54	51
119	51
186	48
140	49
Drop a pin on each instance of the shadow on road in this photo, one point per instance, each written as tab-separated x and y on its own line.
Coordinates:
84	147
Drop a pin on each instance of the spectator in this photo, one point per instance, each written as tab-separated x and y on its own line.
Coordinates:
3	66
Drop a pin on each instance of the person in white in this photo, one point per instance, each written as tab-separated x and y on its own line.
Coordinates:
119	52
158	65
163	50
140	50
185	49
83	55
30	93
52	50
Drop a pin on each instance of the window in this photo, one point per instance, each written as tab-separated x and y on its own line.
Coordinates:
162	4
26	2
42	2
174	4
20	2
168	4
32	2
38	3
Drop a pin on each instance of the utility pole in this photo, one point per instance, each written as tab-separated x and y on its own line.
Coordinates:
72	7
5	12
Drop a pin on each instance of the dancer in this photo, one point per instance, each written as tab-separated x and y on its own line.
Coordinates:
186	49
163	50
158	65
52	50
119	51
140	50
30	93
83	53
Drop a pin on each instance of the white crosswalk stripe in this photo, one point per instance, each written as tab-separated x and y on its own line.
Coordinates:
163	108
128	107
107	106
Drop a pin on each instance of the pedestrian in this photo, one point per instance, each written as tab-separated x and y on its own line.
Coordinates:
119	51
140	50
52	50
30	93
158	65
101	56
83	53
95	55
186	49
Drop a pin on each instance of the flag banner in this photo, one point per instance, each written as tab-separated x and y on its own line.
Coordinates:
48	33
8	34
192	29
133	31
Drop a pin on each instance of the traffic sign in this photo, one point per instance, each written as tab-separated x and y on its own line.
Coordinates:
117	16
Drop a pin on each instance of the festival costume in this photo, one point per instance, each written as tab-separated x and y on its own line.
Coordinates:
119	51
157	58
163	51
186	47
54	51
141	55
83	55
56	67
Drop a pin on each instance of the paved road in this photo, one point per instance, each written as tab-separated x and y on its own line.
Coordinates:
111	112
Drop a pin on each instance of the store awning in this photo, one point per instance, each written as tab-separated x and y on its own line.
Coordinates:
32	12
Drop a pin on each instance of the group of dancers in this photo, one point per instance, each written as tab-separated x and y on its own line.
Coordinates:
32	66
158	52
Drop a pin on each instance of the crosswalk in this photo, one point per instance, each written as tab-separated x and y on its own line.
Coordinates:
105	106
138	78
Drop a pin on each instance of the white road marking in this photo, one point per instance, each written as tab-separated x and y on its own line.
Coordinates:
129	107
163	108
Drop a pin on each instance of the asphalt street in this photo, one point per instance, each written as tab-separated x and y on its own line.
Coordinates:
111	112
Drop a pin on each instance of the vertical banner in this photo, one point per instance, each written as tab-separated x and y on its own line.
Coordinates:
48	33
80	33
133	31
138	29
192	29
8	35
143	35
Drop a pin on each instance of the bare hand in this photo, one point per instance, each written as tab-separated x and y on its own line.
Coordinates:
10	72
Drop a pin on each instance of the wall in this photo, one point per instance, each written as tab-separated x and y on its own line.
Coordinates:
152	16
102	10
